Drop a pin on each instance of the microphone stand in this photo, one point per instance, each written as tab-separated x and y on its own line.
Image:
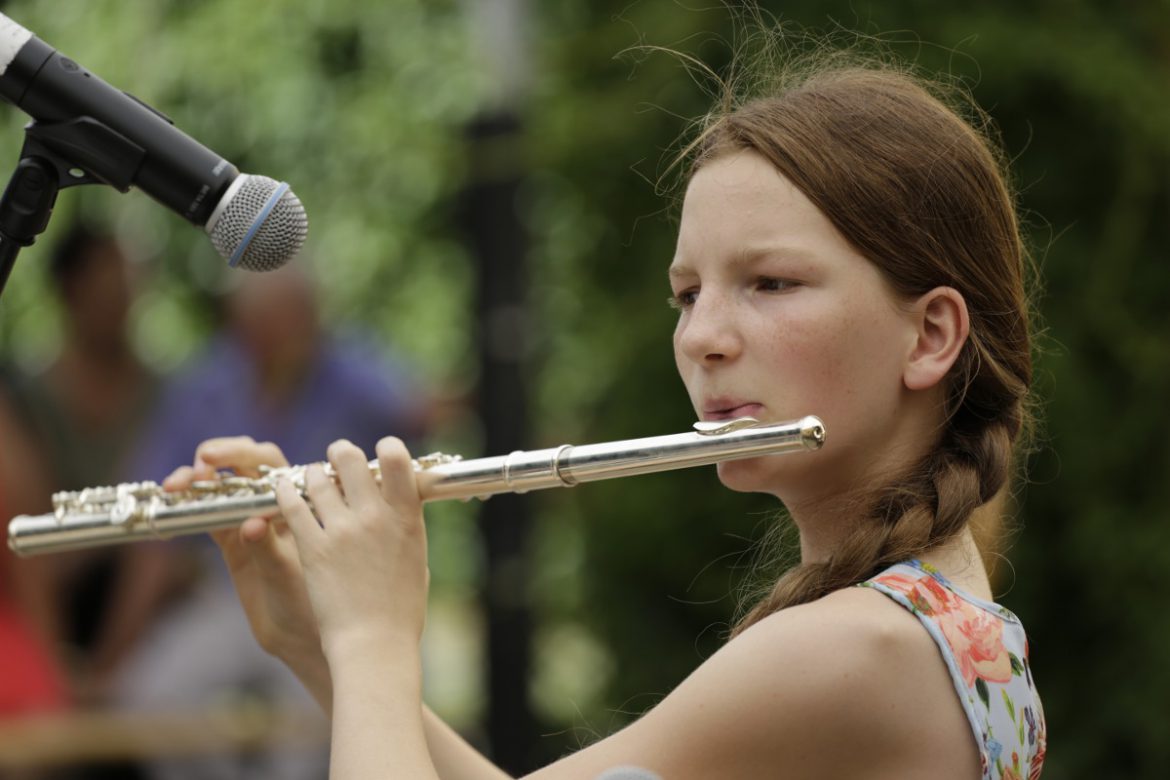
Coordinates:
25	209
28	200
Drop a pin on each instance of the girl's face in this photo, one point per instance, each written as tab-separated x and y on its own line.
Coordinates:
780	317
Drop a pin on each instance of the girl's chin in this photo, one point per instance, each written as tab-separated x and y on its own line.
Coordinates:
751	475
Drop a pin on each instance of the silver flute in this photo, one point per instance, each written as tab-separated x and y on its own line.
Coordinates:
137	511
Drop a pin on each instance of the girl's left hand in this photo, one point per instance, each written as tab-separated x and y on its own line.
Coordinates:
365	561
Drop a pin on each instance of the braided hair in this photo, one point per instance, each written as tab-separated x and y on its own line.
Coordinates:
922	194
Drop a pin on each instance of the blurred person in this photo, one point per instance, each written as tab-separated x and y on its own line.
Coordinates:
33	679
848	247
276	374
80	419
273	373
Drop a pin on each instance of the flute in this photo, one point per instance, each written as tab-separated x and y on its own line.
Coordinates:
138	511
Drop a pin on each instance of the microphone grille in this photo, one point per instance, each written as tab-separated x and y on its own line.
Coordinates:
260	225
628	773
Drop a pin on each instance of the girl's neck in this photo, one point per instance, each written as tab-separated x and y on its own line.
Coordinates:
960	561
959	558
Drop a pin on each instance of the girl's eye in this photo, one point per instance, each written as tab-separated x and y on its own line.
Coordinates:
683	300
772	284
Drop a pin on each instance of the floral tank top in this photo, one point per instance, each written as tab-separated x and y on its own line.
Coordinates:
986	653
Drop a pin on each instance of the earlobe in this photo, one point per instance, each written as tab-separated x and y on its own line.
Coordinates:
942	326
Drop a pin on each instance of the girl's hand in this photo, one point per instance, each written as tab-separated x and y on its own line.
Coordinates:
363	550
264	564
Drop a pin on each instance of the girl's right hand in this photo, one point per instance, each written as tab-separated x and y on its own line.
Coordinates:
262	558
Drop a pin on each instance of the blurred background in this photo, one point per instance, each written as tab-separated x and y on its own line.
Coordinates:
485	272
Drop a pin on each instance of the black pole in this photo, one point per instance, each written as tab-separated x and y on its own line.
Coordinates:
8	252
497	239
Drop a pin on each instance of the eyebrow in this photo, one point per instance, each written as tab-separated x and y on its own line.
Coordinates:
748	256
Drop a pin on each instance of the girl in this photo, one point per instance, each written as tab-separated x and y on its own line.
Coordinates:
848	247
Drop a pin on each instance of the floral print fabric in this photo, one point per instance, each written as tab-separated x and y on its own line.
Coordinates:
986	651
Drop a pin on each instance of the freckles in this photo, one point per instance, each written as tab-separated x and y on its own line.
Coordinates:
815	349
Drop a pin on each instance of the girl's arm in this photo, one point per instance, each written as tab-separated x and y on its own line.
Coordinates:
849	686
453	757
780	700
265	565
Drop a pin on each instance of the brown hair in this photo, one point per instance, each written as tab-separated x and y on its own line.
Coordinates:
921	193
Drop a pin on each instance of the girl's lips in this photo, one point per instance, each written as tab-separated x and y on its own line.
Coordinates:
730	413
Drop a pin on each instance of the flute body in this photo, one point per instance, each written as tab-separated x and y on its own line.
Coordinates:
142	510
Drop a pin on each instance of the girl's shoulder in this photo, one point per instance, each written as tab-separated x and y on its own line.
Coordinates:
851	669
841	687
985	651
866	674
857	633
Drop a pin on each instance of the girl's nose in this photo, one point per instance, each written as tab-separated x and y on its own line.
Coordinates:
707	333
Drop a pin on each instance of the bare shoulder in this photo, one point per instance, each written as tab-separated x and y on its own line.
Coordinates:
850	685
848	666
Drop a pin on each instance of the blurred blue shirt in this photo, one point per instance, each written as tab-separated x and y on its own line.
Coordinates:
349	391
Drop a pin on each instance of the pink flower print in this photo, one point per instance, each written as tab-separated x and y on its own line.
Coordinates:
975	637
907	586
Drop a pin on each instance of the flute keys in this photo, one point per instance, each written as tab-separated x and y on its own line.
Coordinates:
717	427
430	460
124	509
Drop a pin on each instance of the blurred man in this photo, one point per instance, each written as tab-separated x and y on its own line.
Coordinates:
81	418
276	375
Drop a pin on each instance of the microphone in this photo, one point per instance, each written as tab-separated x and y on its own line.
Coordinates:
627	773
104	134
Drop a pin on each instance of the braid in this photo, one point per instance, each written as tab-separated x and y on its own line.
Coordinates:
932	504
910	175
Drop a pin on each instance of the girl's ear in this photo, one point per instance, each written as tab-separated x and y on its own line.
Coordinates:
941	329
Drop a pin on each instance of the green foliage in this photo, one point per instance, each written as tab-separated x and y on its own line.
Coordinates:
359	107
1078	92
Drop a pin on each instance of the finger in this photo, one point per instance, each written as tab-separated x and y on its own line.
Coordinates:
179	479
202	470
231	546
241	454
274	554
255	529
305	528
223	536
251	530
357	483
217	448
325	495
399	486
263	543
